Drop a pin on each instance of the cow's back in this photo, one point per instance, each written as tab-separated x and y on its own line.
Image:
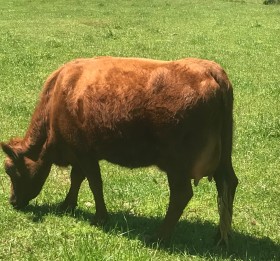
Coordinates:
127	109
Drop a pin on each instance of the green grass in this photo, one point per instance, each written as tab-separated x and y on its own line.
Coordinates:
243	36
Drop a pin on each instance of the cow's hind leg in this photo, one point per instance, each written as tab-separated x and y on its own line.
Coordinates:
226	183
180	194
70	202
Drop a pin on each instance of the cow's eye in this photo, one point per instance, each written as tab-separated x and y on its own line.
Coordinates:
11	170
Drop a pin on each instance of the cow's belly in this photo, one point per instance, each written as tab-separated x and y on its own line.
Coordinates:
132	155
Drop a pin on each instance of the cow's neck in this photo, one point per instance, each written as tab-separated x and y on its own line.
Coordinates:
35	139
42	172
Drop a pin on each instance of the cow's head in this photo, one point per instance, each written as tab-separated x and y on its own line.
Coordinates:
27	176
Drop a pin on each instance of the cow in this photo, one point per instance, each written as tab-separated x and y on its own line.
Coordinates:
135	112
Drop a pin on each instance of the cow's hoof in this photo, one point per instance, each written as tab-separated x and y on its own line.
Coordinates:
99	221
67	207
222	240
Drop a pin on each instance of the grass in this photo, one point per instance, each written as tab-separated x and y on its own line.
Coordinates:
38	36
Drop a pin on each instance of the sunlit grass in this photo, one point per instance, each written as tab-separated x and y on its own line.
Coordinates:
243	36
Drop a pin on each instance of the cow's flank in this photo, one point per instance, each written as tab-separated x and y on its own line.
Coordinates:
176	115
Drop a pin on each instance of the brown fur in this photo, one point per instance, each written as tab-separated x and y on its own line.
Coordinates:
134	112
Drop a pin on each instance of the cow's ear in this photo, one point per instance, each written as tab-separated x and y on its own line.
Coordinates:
11	153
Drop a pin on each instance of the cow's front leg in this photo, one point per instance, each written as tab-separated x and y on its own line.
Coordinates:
93	175
180	194
77	176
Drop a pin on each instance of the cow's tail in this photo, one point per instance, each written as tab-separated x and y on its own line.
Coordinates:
225	178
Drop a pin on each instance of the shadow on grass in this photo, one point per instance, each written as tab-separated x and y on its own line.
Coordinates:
192	238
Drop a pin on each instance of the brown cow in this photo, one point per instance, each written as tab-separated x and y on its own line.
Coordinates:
134	112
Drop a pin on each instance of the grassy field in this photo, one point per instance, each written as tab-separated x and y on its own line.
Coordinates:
243	36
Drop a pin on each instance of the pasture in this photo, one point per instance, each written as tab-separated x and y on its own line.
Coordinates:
36	37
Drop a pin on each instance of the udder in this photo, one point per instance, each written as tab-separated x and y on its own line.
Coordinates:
207	160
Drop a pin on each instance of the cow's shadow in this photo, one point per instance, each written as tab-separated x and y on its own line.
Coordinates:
192	238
